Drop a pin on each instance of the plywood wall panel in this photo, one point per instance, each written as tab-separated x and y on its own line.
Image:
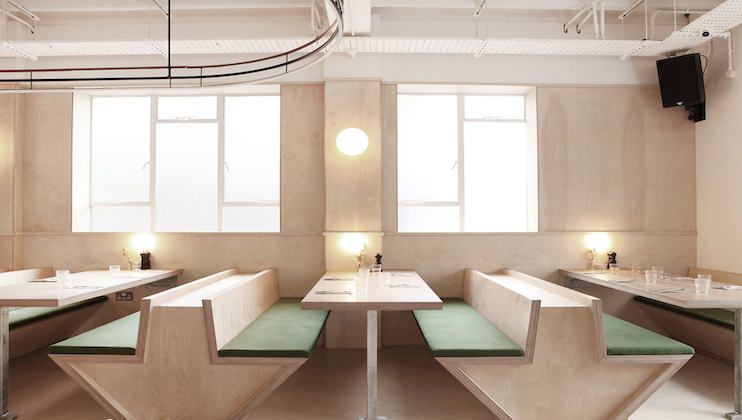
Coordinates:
302	158
7	140
353	183
47	162
611	158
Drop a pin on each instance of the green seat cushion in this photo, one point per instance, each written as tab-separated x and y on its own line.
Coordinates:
720	317
460	331
626	339
284	330
23	316
115	338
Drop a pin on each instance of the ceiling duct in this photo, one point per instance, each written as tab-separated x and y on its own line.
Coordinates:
247	71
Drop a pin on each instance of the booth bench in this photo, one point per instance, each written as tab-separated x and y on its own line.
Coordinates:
530	349
212	348
34	328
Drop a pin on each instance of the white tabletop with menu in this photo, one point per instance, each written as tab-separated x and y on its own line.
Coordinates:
392	290
78	287
679	291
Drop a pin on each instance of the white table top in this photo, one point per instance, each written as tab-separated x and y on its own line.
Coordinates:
80	287
399	291
629	282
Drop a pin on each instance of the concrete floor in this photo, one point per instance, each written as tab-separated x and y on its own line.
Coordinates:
331	385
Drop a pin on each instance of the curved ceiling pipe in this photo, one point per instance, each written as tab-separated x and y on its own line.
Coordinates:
248	71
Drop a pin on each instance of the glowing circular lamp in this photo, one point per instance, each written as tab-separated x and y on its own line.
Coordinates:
352	141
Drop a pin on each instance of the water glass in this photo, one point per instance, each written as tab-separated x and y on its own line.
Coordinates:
660	270
362	281
650	276
615	269
703	283
636	270
63	276
376	268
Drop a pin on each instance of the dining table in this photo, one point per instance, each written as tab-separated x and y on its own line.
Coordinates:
679	291
53	292
390	290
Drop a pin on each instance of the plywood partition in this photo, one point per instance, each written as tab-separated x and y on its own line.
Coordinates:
21	276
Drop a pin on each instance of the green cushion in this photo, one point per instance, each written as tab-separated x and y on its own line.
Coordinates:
23	316
460	331
624	338
720	317
284	330
115	338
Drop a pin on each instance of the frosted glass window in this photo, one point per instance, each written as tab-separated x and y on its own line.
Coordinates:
428	219
252	219
186	108
121	219
252	149
187	177
496	174
495	107
427	148
466	163
120	134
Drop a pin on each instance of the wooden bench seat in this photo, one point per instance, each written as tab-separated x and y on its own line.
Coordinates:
574	361
460	331
720	317
19	317
35	328
115	338
214	347
284	330
623	338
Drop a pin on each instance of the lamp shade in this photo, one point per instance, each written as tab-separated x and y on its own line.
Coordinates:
352	141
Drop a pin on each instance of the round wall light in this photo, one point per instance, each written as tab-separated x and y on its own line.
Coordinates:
352	141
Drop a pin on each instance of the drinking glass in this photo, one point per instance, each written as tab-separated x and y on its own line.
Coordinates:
615	269
376	268
63	276
703	283
362	282
660	270
650	276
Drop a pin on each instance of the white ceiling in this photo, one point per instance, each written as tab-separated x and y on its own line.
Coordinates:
527	27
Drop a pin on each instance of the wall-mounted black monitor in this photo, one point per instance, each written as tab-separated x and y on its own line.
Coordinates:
681	81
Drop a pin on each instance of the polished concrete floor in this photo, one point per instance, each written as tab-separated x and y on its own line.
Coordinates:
331	385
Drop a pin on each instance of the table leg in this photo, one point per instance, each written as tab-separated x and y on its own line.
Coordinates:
737	414
372	385
4	365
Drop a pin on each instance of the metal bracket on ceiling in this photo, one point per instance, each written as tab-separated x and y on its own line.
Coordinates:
161	7
594	9
26	18
478	10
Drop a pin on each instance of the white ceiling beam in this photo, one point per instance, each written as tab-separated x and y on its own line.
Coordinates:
357	18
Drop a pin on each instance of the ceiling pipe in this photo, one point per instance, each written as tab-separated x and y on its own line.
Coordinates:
631	9
566	26
653	19
318	49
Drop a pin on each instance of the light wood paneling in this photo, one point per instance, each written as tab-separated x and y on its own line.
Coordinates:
353	184
302	159
716	275
47	162
612	158
7	143
22	276
389	157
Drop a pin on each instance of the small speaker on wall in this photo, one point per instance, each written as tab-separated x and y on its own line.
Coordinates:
681	84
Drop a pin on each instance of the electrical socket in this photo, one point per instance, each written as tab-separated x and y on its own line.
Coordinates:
124	295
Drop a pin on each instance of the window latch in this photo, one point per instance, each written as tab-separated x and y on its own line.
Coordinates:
226	166
145	165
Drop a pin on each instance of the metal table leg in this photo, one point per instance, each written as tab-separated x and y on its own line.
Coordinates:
371	366
4	366
737	414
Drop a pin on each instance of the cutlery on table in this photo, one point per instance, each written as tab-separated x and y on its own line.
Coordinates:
337	279
671	290
333	292
728	287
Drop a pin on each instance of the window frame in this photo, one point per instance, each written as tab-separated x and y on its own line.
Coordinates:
529	118
152	163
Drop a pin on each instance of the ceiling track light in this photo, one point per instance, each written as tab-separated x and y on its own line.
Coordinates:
240	72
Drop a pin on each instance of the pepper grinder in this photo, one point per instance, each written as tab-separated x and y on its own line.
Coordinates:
378	261
146	264
611	259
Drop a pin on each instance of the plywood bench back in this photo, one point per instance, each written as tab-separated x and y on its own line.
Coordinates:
515	314
233	309
21	276
716	275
